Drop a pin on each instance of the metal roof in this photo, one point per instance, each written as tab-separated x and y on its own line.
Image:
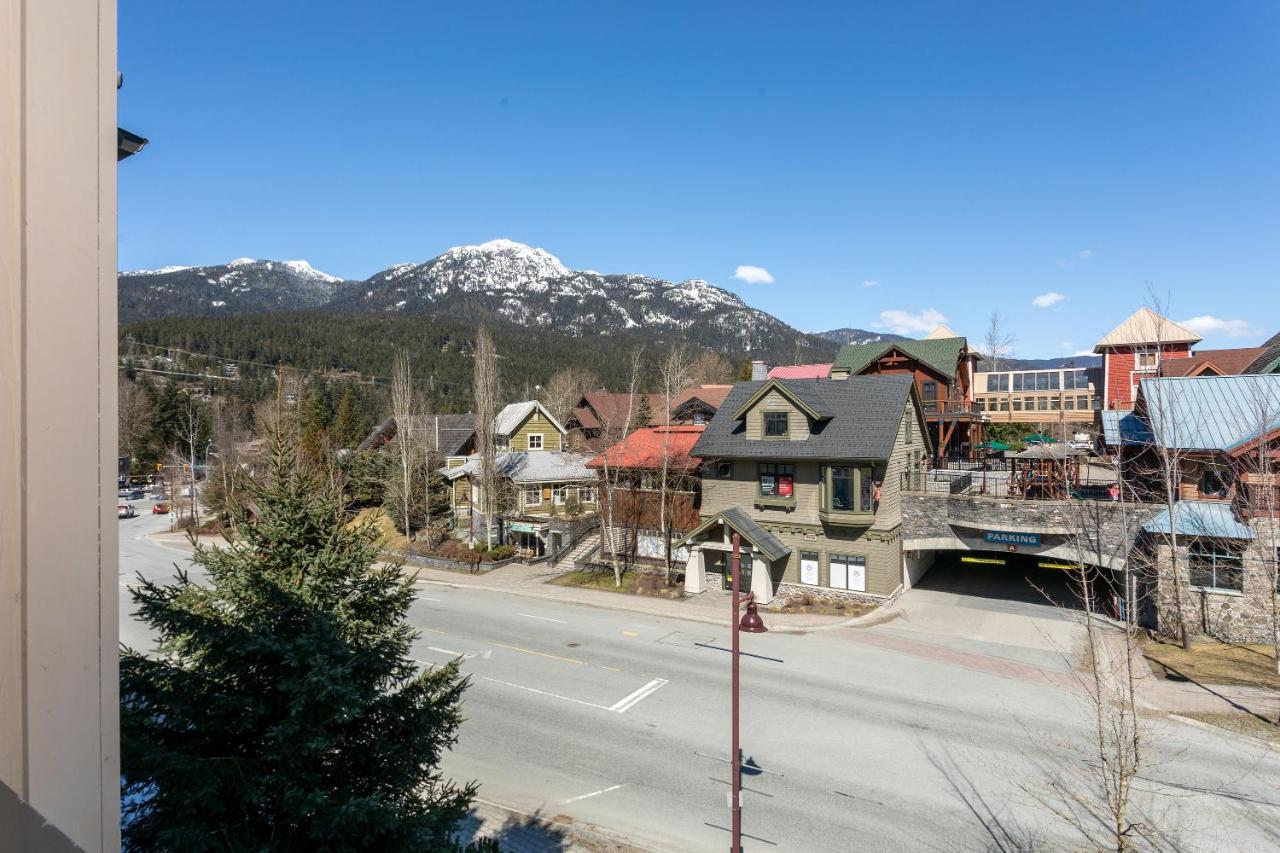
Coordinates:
861	418
1145	326
539	466
941	354
1210	412
1122	426
513	414
1201	518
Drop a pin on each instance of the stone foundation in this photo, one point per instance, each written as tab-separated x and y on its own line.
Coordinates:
1229	617
822	595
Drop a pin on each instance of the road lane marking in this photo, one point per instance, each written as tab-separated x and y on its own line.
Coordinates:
592	794
424	598
547	618
546	693
542	654
433	630
612	668
630	634
444	651
621	706
486	654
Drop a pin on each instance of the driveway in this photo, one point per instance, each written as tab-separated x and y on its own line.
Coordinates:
1016	611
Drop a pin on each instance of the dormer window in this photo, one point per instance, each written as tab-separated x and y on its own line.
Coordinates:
776	424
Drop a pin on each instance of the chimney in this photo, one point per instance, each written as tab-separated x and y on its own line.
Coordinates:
759	370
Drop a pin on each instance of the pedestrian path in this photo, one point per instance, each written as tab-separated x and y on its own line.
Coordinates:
517	832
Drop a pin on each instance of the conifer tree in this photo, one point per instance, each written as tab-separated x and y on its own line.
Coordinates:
350	426
282	710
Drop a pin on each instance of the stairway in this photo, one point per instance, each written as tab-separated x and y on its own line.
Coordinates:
589	545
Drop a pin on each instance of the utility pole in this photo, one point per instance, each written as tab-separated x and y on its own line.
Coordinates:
752	624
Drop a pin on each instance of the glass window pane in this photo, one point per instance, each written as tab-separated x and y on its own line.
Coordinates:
842	488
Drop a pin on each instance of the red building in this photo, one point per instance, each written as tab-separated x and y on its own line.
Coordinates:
1135	350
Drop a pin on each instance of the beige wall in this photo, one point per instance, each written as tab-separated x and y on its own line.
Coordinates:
58	539
536	423
797	423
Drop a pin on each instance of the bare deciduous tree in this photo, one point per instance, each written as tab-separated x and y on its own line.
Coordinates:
487	389
402	409
710	368
673	376
1257	479
616	430
565	388
998	341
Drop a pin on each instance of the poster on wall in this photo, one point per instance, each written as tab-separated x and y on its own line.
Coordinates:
784	485
809	569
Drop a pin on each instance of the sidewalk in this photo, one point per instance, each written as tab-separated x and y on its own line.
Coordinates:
711	607
1190	697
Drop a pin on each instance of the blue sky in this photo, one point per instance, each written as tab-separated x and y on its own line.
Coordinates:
886	164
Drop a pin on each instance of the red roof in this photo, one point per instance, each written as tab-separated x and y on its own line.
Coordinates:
646	448
801	371
1229	362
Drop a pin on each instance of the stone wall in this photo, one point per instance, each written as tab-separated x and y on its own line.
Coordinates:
1233	617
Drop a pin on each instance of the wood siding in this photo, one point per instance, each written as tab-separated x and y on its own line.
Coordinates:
797	423
536	422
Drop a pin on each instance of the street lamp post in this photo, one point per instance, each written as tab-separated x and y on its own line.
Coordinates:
752	624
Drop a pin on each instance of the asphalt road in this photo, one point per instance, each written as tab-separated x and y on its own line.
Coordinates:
869	739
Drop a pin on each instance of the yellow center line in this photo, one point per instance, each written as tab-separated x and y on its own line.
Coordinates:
541	654
612	669
630	634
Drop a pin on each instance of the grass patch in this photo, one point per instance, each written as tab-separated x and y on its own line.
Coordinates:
633	583
1239	665
1243	724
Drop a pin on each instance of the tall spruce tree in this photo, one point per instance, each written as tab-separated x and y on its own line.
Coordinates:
282	710
350	424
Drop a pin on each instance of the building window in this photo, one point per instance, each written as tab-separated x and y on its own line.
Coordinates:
1053	403
699	418
1212	485
559	494
809	567
847	572
1069	403
535	441
842	484
1082	402
532	495
1018	382
1043	404
1017	404
501	442
1004	404
929	391
775	424
1214	566
1146	360
650	481
724	470
587	494
777	481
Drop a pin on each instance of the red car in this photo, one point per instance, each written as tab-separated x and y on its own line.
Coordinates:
159	508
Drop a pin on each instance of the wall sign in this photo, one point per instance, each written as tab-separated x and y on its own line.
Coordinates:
1002	537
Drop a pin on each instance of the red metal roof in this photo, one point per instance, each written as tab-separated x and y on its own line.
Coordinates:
801	371
646	448
1230	362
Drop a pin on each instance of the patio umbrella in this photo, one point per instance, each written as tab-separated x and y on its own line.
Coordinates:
998	446
1039	438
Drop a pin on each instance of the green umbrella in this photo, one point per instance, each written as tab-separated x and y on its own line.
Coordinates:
994	445
1038	438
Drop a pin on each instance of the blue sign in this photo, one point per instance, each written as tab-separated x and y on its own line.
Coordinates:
1001	537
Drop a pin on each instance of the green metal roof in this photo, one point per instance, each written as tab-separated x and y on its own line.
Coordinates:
1213	519
942	354
1210	412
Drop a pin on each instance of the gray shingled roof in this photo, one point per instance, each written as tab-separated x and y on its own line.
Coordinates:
736	518
863	416
539	466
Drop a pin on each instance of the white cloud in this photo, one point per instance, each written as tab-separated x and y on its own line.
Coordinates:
906	323
1047	300
870	282
1083	352
1207	324
1082	255
753	275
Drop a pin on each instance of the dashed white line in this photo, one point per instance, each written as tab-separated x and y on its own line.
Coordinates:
621	706
547	693
424	598
444	651
546	618
592	794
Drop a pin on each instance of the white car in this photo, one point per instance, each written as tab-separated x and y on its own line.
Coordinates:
126	511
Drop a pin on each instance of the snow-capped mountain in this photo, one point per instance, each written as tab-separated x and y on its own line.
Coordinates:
502	281
242	286
858	336
524	286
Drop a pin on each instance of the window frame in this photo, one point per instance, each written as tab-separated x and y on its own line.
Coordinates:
541	437
559	494
1220	559
772	415
586	494
801	554
777	470
532	489
846	560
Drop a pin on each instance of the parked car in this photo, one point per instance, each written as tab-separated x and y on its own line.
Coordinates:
1086	446
125	511
159	508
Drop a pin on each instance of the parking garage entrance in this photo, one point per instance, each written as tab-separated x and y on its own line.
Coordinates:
1019	582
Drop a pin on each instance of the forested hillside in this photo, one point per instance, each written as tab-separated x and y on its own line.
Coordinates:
440	348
